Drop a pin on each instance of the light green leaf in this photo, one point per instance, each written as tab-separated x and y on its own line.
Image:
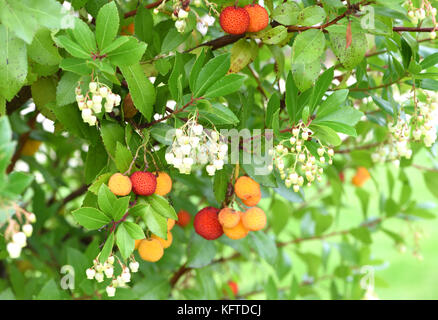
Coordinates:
90	218
200	252
286	13
214	70
124	241
134	230
123	157
161	206
227	85
308	46
107	25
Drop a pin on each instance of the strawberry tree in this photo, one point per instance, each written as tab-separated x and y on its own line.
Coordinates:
155	150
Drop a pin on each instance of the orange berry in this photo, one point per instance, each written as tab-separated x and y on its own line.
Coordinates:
362	175
164	184
137	243
119	184
248	191
150	250
30	147
237	232
254	219
234	20
143	183
129	110
170	224
165	243
229	218
258	17
183	218
128	30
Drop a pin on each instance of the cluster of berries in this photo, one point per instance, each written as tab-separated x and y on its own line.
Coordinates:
152	248
210	223
419	14
297	164
99	271
91	104
237	20
398	146
142	183
194	145
426	120
17	235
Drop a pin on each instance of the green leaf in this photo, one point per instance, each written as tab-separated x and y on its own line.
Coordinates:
128	53
124	241
311	16
227	85
144	24
97	158
123	157
286	13
220	185
291	99
274	35
326	134
107	25
121	206
155	222
13	63
107	248
75	65
50	291
362	234
333	101
272	108
162	206
346	115
18	182
106	200
264	246
214	70
308	46
242	53
134	230
90	218
429	61
320	88
141	89
197	67
111	134
84	36
43	49
65	91
72	47
431	181
216	113
305	74
200	252
172	40
339	127
349	57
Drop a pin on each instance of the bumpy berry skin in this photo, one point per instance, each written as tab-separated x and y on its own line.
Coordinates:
248	191
237	232
183	218
254	219
119	184
164	184
362	175
234	20
207	224
229	218
258	17
143	183
150	250
165	243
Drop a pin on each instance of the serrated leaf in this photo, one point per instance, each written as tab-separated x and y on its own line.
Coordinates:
107	25
90	218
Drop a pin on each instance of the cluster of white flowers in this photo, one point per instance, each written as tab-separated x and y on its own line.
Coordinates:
426	120
99	271
419	14
194	145
18	236
398	147
180	13
306	167
91	103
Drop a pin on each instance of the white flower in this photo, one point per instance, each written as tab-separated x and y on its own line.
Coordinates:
81	105
109	105
79	98
117	100
109	272
111	260
296	188
27	229
92	121
296	132
223	148
20	239
99	277
120	281
302	157
14	250
97	99
97	107
103	91
86	114
188	162
331	152
178	133
292	140
169	158
78	90
186	149
126	275
218	164
182	14
211	170
99	267
305	135
134	266
90	273
198	129
93	87
180	25
111	291
194	141
32	218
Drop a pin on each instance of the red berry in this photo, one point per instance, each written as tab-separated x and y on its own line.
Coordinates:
207	224
234	20
183	218
258	17
143	183
233	286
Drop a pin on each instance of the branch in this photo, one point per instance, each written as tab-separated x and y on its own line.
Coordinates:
21	98
364	147
149	6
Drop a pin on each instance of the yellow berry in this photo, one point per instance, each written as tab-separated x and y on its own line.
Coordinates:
254	219
248	191
236	233
150	250
165	243
164	184
119	184
229	218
